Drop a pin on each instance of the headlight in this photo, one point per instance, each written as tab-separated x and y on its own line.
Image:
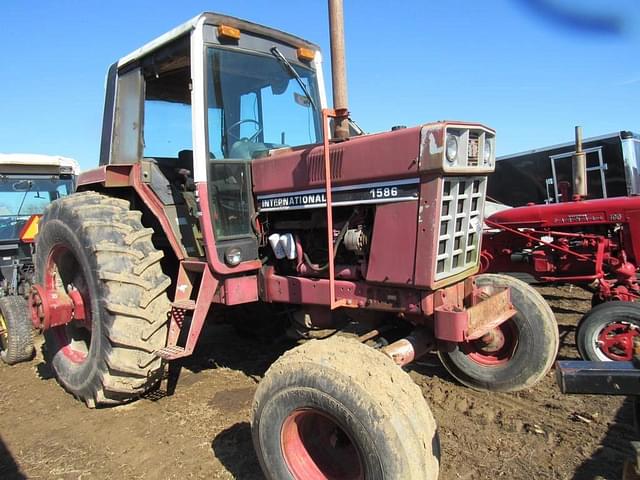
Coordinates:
451	148
233	256
487	152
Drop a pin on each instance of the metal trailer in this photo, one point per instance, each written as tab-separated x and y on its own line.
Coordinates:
543	175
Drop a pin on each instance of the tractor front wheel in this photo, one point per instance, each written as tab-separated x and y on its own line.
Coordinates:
337	409
16	338
94	248
516	354
607	331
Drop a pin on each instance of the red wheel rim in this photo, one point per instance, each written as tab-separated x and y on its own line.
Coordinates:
63	273
616	341
495	348
316	447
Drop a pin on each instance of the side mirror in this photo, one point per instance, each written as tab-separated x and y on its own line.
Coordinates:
279	86
22	185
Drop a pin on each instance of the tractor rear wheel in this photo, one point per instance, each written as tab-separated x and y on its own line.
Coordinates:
606	332
16	336
516	354
337	409
94	247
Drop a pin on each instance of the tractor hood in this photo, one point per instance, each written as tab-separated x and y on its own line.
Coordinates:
362	159
588	211
365	161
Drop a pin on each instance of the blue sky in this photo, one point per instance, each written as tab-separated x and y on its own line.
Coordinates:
531	69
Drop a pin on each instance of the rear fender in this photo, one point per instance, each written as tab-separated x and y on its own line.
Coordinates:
107	178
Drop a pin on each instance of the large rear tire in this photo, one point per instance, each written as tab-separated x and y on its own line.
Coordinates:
337	409
16	336
520	351
606	332
96	245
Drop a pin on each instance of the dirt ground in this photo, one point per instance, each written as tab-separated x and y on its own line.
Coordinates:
202	430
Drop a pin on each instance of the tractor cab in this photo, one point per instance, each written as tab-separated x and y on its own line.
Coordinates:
212	95
28	184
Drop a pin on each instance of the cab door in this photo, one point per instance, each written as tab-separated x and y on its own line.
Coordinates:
233	127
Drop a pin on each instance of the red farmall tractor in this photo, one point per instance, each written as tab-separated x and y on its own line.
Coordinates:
220	184
593	244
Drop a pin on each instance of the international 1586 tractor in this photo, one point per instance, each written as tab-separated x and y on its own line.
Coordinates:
28	184
220	184
594	244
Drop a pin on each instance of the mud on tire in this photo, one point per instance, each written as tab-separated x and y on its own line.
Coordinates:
338	409
530	343
100	246
16	336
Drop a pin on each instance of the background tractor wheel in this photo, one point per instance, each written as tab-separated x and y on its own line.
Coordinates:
515	355
337	409
16	336
93	246
606	332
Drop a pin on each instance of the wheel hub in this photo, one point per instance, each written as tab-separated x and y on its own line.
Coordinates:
54	308
496	347
616	340
50	304
316	447
492	341
61	305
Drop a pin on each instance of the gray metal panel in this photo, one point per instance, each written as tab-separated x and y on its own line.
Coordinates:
630	149
127	134
107	116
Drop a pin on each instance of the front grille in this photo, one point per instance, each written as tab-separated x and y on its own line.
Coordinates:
473	149
460	224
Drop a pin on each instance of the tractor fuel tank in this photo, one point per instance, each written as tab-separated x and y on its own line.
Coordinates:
600	211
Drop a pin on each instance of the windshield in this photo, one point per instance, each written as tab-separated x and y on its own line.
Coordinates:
255	104
21	197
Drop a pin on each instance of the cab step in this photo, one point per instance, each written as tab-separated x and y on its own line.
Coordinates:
171	352
184	308
184	304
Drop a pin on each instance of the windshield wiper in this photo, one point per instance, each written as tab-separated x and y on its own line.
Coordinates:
29	185
289	68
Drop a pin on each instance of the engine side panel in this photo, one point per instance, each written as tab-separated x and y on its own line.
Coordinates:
393	244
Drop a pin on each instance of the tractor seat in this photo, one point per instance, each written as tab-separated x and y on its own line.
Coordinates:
184	171
185	159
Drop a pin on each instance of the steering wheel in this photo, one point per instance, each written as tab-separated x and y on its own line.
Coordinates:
253	137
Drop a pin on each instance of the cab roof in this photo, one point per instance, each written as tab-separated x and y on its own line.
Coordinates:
33	163
214	19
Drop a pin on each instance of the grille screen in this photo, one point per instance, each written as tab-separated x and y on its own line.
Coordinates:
473	150
460	224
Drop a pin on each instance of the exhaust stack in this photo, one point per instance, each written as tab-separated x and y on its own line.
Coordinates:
579	168
338	69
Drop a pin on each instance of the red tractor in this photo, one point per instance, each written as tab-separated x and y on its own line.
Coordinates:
594	244
220	184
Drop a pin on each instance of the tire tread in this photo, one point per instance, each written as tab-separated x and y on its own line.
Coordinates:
132	290
20	332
